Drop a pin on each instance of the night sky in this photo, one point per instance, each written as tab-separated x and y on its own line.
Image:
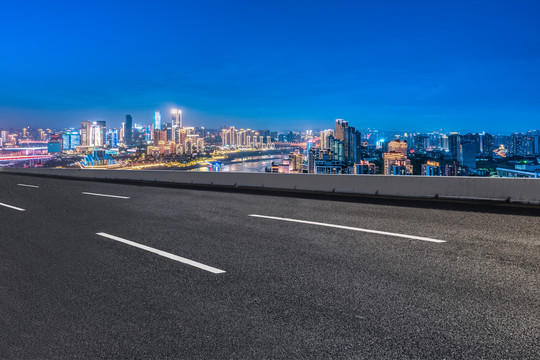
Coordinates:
391	65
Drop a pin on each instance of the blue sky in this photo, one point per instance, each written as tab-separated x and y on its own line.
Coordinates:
388	64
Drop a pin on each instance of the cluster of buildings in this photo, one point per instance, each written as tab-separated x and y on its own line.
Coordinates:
336	151
342	150
170	138
232	137
339	152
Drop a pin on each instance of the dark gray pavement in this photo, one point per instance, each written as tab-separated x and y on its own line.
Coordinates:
290	290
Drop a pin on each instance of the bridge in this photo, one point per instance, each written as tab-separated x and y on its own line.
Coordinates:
219	265
291	145
25	157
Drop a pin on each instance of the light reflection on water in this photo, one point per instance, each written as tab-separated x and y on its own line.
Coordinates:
253	166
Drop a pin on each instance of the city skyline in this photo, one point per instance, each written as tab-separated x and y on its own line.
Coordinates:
151	122
416	65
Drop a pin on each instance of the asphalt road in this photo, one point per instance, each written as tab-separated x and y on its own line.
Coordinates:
279	288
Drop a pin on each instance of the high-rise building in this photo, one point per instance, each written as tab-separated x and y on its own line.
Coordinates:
128	130
346	134
536	144
157	120
468	154
357	147
70	140
112	138
340	129
398	146
97	136
296	163
475	139
337	150
230	137
103	130
395	160
486	144
177	118
85	133
325	138
454	142
5	136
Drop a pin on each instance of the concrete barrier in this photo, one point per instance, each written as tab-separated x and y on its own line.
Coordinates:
513	190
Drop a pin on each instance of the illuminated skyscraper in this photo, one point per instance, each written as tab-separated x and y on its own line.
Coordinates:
395	160
347	134
103	129
85	133
325	138
112	138
97	134
177	118
70	140
157	120
398	147
340	129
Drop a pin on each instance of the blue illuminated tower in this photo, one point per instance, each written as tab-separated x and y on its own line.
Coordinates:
157	120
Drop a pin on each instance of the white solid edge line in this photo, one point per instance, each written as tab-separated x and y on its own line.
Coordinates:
12	207
164	253
105	195
351	228
30	186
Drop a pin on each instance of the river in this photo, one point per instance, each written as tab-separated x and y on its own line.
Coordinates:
252	164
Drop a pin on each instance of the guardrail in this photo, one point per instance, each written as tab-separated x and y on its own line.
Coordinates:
511	190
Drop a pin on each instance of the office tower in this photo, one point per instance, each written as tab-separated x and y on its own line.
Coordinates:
97	135
103	130
337	150
157	120
112	138
468	154
454	142
176	124
128	130
122	134
177	118
486	144
340	129
85	133
71	139
345	133
147	132
357	147
325	138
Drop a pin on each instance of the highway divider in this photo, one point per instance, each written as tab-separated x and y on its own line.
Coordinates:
509	190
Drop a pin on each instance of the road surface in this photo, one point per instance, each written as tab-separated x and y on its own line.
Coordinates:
101	270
